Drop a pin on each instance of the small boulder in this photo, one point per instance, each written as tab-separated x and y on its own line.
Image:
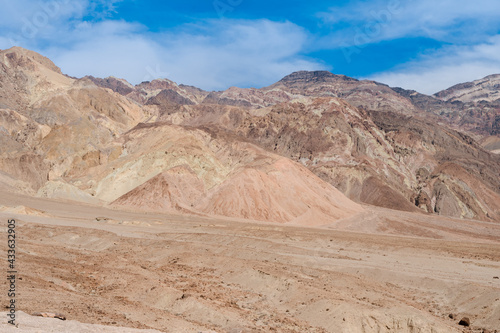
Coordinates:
465	321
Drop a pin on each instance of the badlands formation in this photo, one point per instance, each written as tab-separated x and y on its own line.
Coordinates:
318	204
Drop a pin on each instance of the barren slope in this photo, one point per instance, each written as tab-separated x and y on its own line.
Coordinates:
53	126
298	118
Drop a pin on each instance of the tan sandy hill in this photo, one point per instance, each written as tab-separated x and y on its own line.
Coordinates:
170	168
53	125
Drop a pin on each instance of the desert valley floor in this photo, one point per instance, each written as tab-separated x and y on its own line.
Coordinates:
122	271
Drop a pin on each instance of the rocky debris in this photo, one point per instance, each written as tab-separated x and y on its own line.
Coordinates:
23	210
422	200
49	315
47	324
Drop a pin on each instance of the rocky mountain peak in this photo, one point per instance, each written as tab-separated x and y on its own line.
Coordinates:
19	57
485	89
314	77
121	86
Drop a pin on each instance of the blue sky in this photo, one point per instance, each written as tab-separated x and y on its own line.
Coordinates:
424	45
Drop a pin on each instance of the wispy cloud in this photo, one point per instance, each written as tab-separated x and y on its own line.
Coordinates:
449	66
467	32
460	21
244	53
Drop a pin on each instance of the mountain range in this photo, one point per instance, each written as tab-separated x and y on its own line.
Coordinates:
312	148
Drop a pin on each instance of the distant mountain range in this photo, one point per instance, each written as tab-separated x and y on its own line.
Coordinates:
308	149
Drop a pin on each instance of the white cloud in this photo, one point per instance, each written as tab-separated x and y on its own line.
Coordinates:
445	68
467	29
211	55
241	53
26	22
446	20
106	49
14	14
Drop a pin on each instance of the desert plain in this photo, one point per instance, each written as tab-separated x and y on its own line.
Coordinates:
379	271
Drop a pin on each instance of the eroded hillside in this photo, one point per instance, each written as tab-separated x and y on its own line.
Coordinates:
160	145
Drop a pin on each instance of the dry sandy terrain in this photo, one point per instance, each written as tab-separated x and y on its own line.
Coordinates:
380	271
